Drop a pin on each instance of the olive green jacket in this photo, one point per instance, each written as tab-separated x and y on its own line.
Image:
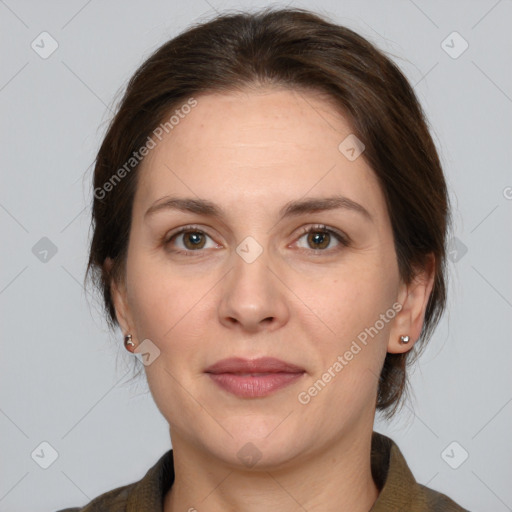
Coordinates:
399	491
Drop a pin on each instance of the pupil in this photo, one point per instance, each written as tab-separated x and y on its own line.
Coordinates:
193	239
319	238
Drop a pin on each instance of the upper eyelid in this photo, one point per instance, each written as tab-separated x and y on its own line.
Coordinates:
184	229
313	227
325	227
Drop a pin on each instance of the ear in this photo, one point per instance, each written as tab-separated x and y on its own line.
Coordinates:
414	299
120	300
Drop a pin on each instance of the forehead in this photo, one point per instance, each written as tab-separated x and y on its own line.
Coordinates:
266	121
264	147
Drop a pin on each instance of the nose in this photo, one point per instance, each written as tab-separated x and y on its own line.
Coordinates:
253	297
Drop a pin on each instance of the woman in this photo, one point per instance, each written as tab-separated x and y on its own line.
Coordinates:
270	220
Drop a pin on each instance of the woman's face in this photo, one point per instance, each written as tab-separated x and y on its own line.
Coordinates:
250	282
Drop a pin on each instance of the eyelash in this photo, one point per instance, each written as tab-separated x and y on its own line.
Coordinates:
320	228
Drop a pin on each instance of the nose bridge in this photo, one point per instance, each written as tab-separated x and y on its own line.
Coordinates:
251	291
251	277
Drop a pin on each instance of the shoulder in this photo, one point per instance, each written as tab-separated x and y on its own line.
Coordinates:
436	501
399	490
145	495
112	501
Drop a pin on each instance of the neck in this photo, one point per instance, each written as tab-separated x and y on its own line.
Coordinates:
338	479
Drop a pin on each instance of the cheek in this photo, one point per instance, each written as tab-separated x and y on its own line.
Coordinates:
149	305
349	335
155	298
350	339
169	309
353	300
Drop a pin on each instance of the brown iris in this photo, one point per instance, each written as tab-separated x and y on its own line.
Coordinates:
194	237
319	237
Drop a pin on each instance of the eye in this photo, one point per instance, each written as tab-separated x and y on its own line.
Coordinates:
320	237
192	240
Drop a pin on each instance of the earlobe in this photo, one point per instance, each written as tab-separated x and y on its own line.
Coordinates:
414	297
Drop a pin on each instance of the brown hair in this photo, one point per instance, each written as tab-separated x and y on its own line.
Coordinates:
295	49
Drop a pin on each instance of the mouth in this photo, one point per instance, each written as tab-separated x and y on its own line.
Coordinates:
254	378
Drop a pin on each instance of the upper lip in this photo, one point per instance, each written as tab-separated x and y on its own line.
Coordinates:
259	365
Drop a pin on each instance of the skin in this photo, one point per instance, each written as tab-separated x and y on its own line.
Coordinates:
300	301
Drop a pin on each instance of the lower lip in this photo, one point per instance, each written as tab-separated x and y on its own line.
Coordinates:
248	386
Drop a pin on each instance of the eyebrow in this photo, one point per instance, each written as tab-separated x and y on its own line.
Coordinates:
290	209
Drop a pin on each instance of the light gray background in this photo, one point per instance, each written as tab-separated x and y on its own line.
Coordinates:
63	376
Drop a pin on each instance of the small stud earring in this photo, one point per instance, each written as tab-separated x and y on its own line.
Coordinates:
405	339
128	342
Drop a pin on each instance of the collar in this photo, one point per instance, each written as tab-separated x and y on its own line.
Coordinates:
398	488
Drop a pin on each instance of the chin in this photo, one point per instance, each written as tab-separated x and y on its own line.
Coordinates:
256	447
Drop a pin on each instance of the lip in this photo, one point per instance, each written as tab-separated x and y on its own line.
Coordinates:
253	378
259	365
